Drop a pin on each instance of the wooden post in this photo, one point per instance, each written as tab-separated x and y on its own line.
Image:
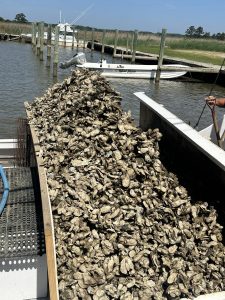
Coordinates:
38	39
77	40
103	41
73	38
127	43
161	51
134	46
49	48
64	36
85	35
56	52
115	42
92	39
33	34
122	52
42	41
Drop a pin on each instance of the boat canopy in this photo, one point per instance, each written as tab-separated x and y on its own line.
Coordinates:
63	25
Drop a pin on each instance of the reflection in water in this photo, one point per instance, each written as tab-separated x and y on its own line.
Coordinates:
24	77
184	99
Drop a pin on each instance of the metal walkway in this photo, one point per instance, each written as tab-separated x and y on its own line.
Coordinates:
21	224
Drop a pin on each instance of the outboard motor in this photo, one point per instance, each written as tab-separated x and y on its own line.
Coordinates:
80	58
77	59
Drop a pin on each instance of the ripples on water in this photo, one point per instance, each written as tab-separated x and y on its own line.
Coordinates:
23	77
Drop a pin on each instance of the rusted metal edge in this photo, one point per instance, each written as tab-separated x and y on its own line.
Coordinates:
47	218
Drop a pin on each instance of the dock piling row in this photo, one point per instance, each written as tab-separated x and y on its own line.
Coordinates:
128	51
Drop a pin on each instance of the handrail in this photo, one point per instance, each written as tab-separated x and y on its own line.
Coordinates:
6	190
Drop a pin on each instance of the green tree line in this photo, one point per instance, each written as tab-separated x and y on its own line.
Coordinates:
198	32
191	32
20	18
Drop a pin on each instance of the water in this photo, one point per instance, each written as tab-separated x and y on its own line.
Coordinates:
23	77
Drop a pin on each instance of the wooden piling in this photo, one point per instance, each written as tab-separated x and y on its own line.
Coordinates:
64	38
85	35
56	52
42	41
132	44
103	42
92	39
77	40
134	47
49	47
115	42
38	40
127	46
33	34
35	37
161	52
73	38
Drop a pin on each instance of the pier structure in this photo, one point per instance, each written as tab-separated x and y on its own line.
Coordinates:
97	41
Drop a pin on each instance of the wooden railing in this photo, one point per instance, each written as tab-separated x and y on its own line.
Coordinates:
47	219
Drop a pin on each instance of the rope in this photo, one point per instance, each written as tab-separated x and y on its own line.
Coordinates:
214	83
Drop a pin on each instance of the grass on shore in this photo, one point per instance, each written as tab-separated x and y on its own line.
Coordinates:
201	50
14	28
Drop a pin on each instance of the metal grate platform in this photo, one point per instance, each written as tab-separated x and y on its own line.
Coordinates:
21	224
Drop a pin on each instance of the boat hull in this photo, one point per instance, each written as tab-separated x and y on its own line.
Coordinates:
142	75
132	71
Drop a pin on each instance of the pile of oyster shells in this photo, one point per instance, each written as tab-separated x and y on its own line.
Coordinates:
124	226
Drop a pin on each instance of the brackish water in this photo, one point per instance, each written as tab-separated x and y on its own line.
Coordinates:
23	77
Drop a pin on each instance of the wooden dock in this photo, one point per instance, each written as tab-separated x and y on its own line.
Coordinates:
148	58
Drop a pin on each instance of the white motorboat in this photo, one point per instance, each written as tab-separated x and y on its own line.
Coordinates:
123	70
65	35
131	70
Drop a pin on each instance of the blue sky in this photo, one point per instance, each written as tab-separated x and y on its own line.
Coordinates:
144	15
